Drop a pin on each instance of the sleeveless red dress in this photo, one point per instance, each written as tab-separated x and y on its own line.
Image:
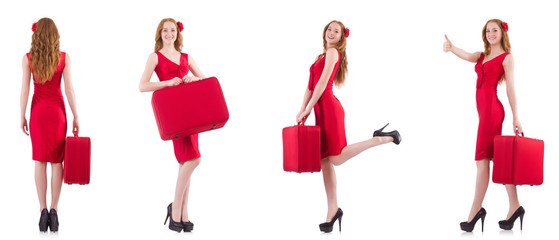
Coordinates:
490	110
328	112
186	148
47	123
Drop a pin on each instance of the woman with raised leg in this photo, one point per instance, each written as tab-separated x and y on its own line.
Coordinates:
330	67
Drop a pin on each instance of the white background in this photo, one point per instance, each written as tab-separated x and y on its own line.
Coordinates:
261	53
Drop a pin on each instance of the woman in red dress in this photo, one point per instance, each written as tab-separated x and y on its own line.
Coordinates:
171	67
330	67
493	66
47	125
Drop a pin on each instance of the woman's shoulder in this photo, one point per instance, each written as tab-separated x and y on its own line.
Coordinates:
509	59
332	53
65	58
154	56
26	60
153	59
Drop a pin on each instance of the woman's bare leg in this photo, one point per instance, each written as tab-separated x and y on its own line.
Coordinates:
41	183
181	190
329	177
482	182
513	199
56	184
352	150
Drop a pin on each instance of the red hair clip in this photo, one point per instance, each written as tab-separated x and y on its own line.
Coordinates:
34	27
346	32
180	26
506	26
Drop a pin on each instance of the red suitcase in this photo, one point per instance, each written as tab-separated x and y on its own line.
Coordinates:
301	148
77	160
189	108
518	160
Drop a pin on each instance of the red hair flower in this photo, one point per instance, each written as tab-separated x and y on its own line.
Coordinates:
346	32
506	26
180	26
34	27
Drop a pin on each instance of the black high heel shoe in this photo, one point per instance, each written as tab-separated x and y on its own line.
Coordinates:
469	226
187	226
394	134
53	220
509	223
44	220
175	226
328	226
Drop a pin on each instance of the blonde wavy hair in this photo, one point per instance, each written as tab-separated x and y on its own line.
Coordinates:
45	50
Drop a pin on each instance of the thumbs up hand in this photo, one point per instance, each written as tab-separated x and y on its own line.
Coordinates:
447	46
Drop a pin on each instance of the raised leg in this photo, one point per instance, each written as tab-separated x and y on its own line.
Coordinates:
352	150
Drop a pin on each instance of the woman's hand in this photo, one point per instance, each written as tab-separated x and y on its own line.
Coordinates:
76	127
302	116
188	78
174	82
517	127
447	46
24	126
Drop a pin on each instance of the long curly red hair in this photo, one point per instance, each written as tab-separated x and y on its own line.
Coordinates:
159	41
342	69
505	43
45	50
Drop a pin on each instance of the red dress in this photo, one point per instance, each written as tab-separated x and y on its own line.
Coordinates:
490	110
328	112
47	123
186	148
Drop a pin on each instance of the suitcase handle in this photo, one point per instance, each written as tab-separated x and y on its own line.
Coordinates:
518	133
302	122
